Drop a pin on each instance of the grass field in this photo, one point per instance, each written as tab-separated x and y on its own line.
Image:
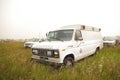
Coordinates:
15	64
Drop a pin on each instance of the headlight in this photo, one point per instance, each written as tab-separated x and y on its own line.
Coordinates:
52	53
35	51
56	54
49	53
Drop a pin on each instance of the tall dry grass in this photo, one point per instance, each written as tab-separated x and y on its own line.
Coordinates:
15	64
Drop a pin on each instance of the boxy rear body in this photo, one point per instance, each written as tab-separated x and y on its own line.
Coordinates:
68	44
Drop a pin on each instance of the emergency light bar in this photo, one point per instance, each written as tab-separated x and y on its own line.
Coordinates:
88	28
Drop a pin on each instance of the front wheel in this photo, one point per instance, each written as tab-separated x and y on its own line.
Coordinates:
97	50
68	62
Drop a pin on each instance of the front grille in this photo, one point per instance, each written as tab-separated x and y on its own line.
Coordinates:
42	52
45	52
27	44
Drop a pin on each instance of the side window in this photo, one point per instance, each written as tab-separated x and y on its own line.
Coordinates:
78	35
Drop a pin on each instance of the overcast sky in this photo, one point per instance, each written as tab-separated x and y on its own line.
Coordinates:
29	18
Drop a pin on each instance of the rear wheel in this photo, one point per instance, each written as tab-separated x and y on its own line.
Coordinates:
116	42
68	62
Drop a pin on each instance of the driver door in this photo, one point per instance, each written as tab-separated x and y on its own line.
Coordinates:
80	45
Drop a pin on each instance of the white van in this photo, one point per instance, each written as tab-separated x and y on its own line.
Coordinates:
111	41
30	43
68	44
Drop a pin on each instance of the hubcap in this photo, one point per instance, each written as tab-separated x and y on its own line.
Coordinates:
68	63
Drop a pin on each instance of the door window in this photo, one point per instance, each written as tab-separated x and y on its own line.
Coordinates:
78	35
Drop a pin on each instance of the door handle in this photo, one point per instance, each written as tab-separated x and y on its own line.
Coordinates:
80	44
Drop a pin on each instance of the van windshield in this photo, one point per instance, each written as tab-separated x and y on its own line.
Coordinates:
60	35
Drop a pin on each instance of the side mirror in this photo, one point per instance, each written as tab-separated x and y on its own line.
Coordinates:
80	38
46	34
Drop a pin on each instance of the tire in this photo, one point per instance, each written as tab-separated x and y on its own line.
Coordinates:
116	42
68	62
97	50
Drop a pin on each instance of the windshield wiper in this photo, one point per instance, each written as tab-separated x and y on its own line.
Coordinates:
57	39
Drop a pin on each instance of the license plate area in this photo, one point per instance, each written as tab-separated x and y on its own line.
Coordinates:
43	58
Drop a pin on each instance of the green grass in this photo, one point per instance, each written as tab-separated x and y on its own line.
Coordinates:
15	64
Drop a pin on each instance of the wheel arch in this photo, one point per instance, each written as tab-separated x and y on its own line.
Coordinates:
69	55
98	48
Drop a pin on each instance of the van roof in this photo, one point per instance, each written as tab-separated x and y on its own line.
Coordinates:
78	26
81	27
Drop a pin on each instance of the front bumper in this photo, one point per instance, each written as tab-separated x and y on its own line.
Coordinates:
28	46
47	60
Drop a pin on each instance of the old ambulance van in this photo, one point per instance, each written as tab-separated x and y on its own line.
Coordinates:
68	44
